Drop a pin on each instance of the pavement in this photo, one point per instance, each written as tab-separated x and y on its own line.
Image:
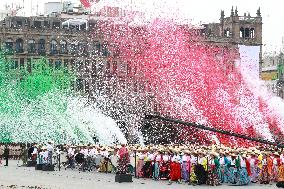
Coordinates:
27	177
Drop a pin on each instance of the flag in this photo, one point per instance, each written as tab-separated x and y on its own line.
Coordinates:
88	3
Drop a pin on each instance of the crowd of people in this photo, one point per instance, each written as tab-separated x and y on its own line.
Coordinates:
193	164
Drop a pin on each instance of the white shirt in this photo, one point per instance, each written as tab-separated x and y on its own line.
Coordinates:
35	150
141	156
71	152
222	161
176	158
193	159
158	158
252	162
166	158
151	157
243	162
185	158
49	147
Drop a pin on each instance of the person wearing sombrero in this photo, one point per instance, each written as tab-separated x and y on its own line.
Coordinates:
185	165
156	169
201	168
164	168
275	167
222	166
253	161
193	162
213	169
227	161
175	168
124	160
243	177
141	156
264	175
280	181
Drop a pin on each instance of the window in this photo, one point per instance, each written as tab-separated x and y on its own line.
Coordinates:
66	65
252	33
73	48
114	67
41	47
29	65
53	47
79	85
19	24
105	51
22	63
9	46
97	48
83	48
31	46
55	25
50	63
19	46
46	24
37	24
242	32
57	64
63	47
247	33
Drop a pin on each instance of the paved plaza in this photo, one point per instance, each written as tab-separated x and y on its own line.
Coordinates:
25	177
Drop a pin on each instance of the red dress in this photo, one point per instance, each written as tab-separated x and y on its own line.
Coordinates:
175	171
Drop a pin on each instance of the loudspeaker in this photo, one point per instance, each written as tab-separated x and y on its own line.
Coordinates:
123	178
31	163
38	167
47	167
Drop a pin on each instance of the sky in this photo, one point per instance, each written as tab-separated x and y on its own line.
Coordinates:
199	11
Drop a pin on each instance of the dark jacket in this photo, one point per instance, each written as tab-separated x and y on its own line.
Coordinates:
6	152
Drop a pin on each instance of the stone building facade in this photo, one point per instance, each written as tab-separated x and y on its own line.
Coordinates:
100	72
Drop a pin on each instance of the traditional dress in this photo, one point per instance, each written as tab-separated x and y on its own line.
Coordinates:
193	177
264	175
227	173
243	178
164	168
175	169
253	168
214	168
201	170
140	164
185	167
221	169
156	170
123	160
233	171
275	168
148	167
280	182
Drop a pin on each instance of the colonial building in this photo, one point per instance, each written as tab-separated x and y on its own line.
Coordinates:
78	45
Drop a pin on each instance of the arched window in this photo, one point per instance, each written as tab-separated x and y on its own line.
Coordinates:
19	45
105	51
53	47
227	32
31	46
73	48
63	47
242	32
247	33
252	33
83	47
41	47
9	45
96	48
